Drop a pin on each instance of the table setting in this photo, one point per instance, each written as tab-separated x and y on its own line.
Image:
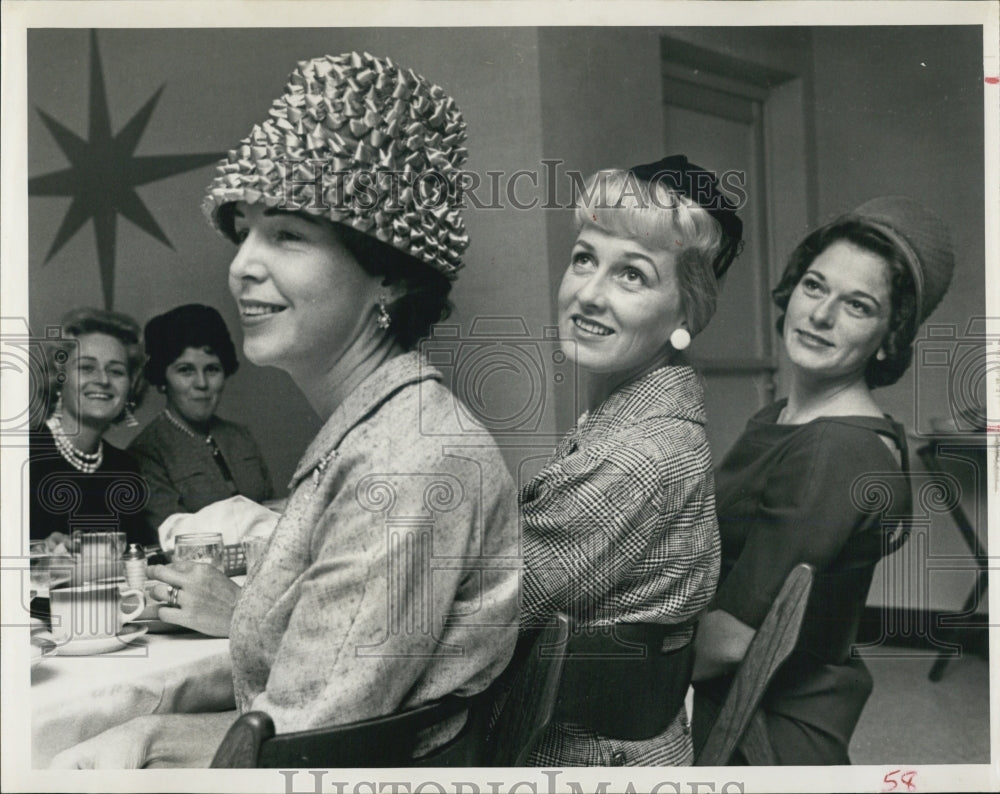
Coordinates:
100	653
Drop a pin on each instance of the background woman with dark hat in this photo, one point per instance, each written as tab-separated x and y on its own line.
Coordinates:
820	477
333	625
619	527
189	456
79	480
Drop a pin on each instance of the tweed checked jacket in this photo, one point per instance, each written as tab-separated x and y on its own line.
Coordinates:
392	578
620	527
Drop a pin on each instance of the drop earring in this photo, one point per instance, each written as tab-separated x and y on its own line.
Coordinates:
680	339
880	355
383	320
128	417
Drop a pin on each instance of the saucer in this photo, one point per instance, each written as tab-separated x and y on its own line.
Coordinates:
92	647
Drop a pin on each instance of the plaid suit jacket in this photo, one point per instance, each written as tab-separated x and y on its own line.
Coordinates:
620	527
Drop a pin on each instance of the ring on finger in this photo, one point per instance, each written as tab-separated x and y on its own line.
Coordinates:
172	596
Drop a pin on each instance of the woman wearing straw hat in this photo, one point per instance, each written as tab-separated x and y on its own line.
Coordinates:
619	527
336	286
820	477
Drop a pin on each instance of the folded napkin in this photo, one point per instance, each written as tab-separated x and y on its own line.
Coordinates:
236	518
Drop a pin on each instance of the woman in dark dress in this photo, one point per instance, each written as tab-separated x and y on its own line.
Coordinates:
78	480
820	477
189	456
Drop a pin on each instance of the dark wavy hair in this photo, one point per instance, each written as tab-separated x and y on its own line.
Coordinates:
425	297
425	291
898	341
195	325
84	320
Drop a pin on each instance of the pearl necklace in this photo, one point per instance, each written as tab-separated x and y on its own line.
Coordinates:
183	427
87	462
213	448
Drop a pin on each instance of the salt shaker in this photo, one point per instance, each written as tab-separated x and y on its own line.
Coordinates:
135	566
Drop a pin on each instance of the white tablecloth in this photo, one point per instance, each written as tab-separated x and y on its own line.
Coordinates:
74	698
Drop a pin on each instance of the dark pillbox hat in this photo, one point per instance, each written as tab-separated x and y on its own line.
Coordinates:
701	187
923	239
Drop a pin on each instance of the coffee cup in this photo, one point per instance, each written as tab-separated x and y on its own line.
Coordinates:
92	611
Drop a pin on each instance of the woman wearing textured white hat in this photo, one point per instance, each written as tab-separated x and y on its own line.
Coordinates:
347	616
820	477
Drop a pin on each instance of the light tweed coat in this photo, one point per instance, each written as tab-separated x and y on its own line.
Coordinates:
620	527
392	577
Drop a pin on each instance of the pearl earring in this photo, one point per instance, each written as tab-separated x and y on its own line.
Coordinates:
680	339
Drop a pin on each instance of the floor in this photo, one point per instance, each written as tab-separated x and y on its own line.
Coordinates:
910	719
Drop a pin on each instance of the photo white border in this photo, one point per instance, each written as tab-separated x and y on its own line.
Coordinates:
18	17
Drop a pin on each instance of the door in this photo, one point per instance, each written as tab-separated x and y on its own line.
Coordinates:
724	124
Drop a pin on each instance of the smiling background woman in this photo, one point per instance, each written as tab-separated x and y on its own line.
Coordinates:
189	456
74	472
793	488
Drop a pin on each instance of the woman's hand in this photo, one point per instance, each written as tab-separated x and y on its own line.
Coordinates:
168	740
205	596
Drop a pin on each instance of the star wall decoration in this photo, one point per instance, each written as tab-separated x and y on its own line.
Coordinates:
104	173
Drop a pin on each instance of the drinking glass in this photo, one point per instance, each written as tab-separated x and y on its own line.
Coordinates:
203	547
47	568
253	549
100	554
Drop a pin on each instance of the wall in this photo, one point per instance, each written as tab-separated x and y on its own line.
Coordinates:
601	108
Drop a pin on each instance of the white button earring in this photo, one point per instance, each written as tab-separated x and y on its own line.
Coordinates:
680	339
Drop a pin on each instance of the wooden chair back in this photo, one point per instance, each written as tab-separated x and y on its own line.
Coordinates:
379	742
739	723
533	679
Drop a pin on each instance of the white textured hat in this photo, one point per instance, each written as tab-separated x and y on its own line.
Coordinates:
362	142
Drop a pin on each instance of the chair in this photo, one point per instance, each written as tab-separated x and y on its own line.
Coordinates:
387	741
739	723
533	678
